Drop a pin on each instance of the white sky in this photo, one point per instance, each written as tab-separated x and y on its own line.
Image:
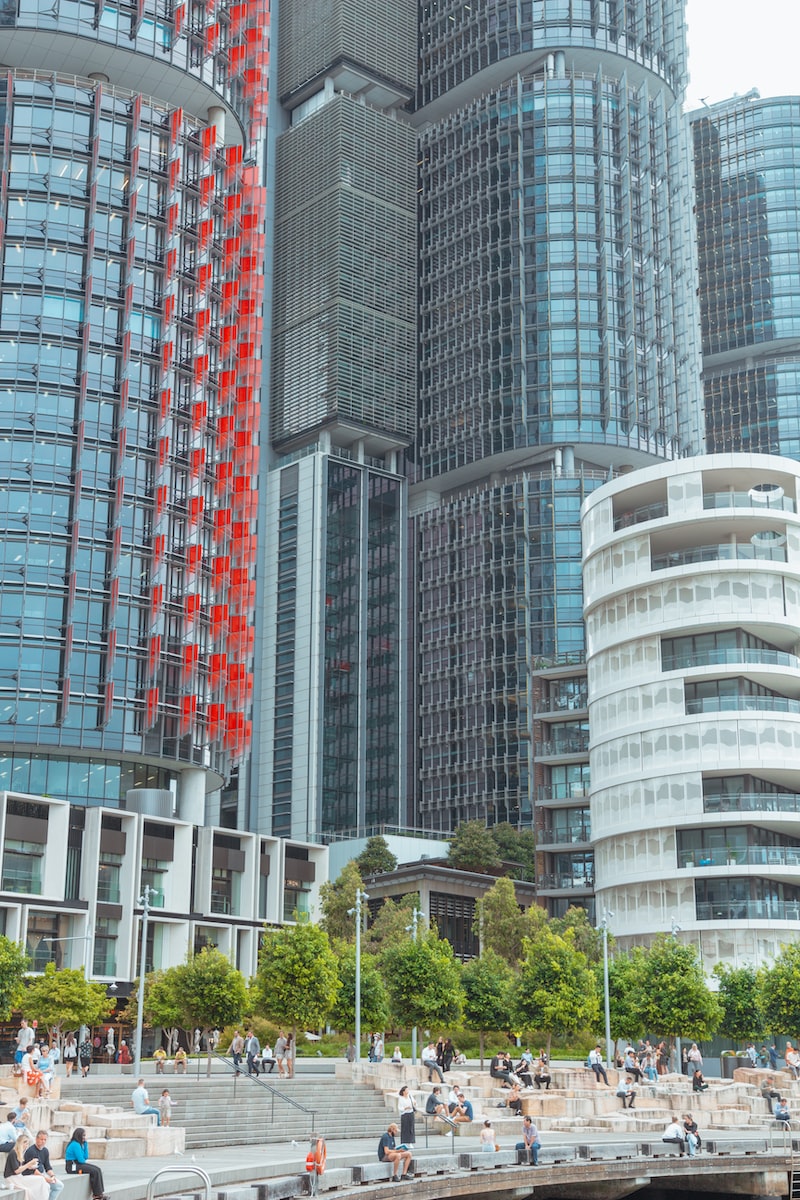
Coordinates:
736	45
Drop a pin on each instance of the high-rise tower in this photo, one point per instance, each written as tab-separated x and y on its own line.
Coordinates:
747	160
131	243
558	345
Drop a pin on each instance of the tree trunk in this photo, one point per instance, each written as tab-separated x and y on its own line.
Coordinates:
207	1036
480	1035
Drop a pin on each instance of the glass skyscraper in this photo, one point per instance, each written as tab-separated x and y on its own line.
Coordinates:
747	164
131	277
558	345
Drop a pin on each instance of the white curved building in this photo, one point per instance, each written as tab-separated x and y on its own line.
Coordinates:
692	608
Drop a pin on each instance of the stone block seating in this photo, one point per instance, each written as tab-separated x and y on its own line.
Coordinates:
112	1132
577	1105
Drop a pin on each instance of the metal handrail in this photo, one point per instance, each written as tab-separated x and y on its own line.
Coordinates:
188	1169
273	1091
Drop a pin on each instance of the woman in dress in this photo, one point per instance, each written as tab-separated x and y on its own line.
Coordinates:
407	1109
26	1175
77	1163
85	1051
70	1053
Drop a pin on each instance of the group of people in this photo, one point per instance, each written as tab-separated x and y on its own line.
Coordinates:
263	1059
525	1074
28	1165
399	1154
685	1135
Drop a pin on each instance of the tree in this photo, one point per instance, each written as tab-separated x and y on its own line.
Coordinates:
473	848
585	937
297	982
376	858
555	990
14	962
374	997
487	982
740	1000
424	981
502	924
210	992
337	898
516	846
675	998
65	999
625	972
161	1006
779	991
392	923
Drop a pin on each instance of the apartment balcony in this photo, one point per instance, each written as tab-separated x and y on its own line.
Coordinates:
749	910
712	704
771	498
648	512
747	856
774	802
567	794
577	745
730	657
579	835
558	706
563	883
774	551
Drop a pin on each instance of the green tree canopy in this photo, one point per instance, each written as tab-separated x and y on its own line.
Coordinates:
297	983
675	998
392	924
779	990
502	924
555	990
14	962
516	846
376	858
209	990
424	981
337	898
161	1005
374	997
473	848
740	999
487	982
625	974
65	999
585	937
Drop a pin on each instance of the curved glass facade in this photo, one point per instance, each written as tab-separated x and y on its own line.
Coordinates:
131	250
747	164
558	345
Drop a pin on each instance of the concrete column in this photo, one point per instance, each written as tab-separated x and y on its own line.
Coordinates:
192	796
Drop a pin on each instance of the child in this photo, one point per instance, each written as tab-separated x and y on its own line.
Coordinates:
165	1103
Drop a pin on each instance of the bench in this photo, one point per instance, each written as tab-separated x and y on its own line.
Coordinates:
283	1188
500	1158
434	1164
608	1150
661	1149
374	1172
739	1146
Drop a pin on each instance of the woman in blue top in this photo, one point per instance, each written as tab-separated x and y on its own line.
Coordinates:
77	1160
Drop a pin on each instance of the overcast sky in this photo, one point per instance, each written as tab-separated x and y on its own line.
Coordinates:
736	45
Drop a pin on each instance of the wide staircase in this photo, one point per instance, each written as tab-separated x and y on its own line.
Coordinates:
224	1110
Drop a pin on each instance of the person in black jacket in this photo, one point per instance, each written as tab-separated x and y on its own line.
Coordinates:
38	1152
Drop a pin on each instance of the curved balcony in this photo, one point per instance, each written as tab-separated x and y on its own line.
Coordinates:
648	512
724	551
775	802
747	856
749	910
731	657
746	500
712	704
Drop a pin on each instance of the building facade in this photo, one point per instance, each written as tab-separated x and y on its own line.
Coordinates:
131	244
747	167
558	346
331	705
692	584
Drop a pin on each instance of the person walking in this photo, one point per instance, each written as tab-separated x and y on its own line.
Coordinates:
85	1051
388	1151
76	1156
407	1110
252	1049
70	1053
279	1050
236	1050
530	1141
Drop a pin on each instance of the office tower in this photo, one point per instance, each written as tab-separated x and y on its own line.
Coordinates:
558	345
330	734
131	230
747	157
692	626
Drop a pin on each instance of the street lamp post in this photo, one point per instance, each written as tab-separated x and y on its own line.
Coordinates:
361	896
675	930
144	900
606	999
416	917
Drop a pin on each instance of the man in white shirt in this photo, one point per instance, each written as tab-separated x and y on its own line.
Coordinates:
8	1133
428	1057
674	1133
141	1102
459	1106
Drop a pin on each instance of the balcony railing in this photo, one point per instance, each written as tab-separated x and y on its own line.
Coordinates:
725	551
710	704
563	746
562	882
565	837
749	910
745	500
563	791
753	802
108	893
732	656
25	882
562	704
746	856
649	512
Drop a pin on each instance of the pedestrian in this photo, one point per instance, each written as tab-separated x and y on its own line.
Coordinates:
488	1144
236	1050
377	1048
124	1057
252	1049
77	1163
407	1110
289	1055
141	1103
596	1063
398	1157
85	1051
626	1091
70	1053
530	1141
165	1106
279	1051
448	1054
25	1174
39	1153
772	1052
24	1038
674	1133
